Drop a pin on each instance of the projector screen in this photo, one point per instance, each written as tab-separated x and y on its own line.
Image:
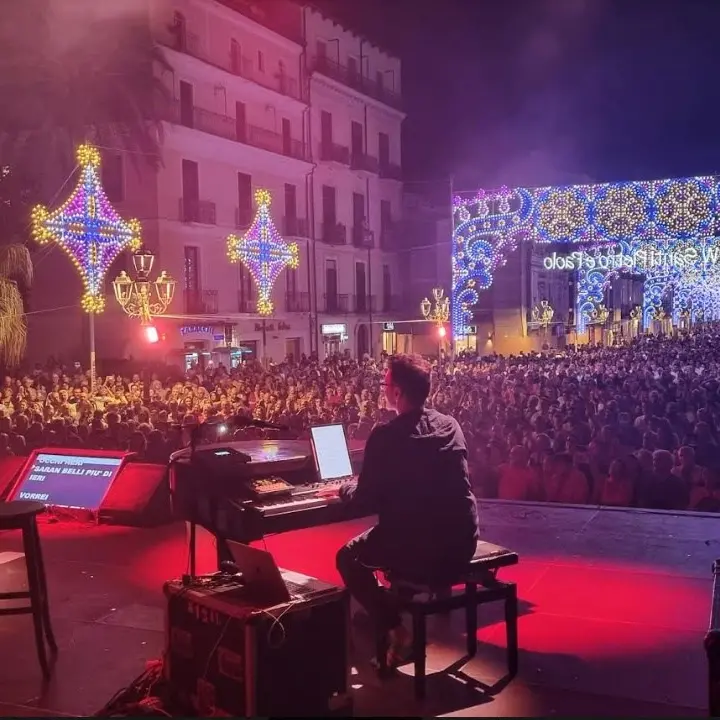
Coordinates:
73	481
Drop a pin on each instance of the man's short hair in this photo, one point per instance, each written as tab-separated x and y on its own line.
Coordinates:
411	374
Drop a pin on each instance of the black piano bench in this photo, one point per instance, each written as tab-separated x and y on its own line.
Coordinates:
22	515
481	586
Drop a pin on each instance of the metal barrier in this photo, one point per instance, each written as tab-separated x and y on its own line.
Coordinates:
712	646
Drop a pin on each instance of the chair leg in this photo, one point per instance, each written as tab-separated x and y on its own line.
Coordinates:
35	597
49	635
511	625
471	610
419	650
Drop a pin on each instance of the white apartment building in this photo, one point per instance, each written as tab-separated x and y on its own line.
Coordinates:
266	95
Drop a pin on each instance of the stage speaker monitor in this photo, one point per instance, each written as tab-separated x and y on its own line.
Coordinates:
68	478
139	497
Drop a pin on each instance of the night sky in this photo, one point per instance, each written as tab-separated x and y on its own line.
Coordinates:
533	92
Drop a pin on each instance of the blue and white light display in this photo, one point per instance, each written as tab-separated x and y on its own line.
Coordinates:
658	219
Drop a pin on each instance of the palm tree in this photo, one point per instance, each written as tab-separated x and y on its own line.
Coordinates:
76	72
16	272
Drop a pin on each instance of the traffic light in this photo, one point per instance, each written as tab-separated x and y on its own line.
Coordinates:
151	334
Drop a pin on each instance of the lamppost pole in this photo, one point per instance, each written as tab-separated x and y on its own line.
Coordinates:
143	299
438	313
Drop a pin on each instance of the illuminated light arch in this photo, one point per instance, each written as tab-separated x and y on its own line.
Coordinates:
263	252
612	218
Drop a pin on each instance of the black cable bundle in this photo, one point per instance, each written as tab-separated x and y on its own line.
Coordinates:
147	696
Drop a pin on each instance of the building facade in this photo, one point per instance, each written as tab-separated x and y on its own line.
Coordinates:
273	96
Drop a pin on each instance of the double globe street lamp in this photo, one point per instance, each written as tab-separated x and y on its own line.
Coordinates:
144	299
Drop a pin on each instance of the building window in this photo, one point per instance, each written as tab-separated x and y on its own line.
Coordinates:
329	207
387	289
245	201
192	268
261	61
383	149
113	177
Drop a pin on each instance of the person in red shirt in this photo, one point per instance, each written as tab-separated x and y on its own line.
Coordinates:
518	481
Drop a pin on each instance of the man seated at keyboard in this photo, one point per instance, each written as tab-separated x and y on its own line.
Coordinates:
415	479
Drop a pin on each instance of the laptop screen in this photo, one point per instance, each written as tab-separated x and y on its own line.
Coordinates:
331	452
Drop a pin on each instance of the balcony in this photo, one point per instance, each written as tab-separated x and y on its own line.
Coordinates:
226	127
363	162
280	82
334	233
389	237
390	303
243	218
295	227
330	152
362	237
297	302
363	304
389	171
246	303
243	67
336	304
201	302
197	211
346	76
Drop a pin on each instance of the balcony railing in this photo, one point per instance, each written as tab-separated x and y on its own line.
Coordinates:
335	303
297	302
246	303
243	218
197	211
279	82
390	171
334	233
347	76
226	127
388	237
201	302
331	152
362	161
390	303
363	303
362	237
295	227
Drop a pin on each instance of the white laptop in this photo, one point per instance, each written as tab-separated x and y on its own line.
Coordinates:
331	453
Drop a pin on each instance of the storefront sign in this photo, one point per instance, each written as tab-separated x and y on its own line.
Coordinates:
196	330
334	329
643	259
388	327
270	327
219	337
470	330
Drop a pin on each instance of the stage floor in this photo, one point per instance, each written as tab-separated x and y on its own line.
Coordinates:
614	607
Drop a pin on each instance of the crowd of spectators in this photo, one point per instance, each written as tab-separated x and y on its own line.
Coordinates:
637	425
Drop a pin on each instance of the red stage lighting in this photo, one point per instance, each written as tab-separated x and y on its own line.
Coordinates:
151	334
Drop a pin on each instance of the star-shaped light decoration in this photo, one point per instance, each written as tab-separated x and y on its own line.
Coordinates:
263	252
88	229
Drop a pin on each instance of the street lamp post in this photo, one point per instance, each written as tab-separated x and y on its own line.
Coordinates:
144	299
437	312
542	314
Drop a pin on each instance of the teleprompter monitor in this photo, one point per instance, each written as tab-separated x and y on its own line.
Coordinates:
77	479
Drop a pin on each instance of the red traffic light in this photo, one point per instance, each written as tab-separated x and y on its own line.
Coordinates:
151	334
